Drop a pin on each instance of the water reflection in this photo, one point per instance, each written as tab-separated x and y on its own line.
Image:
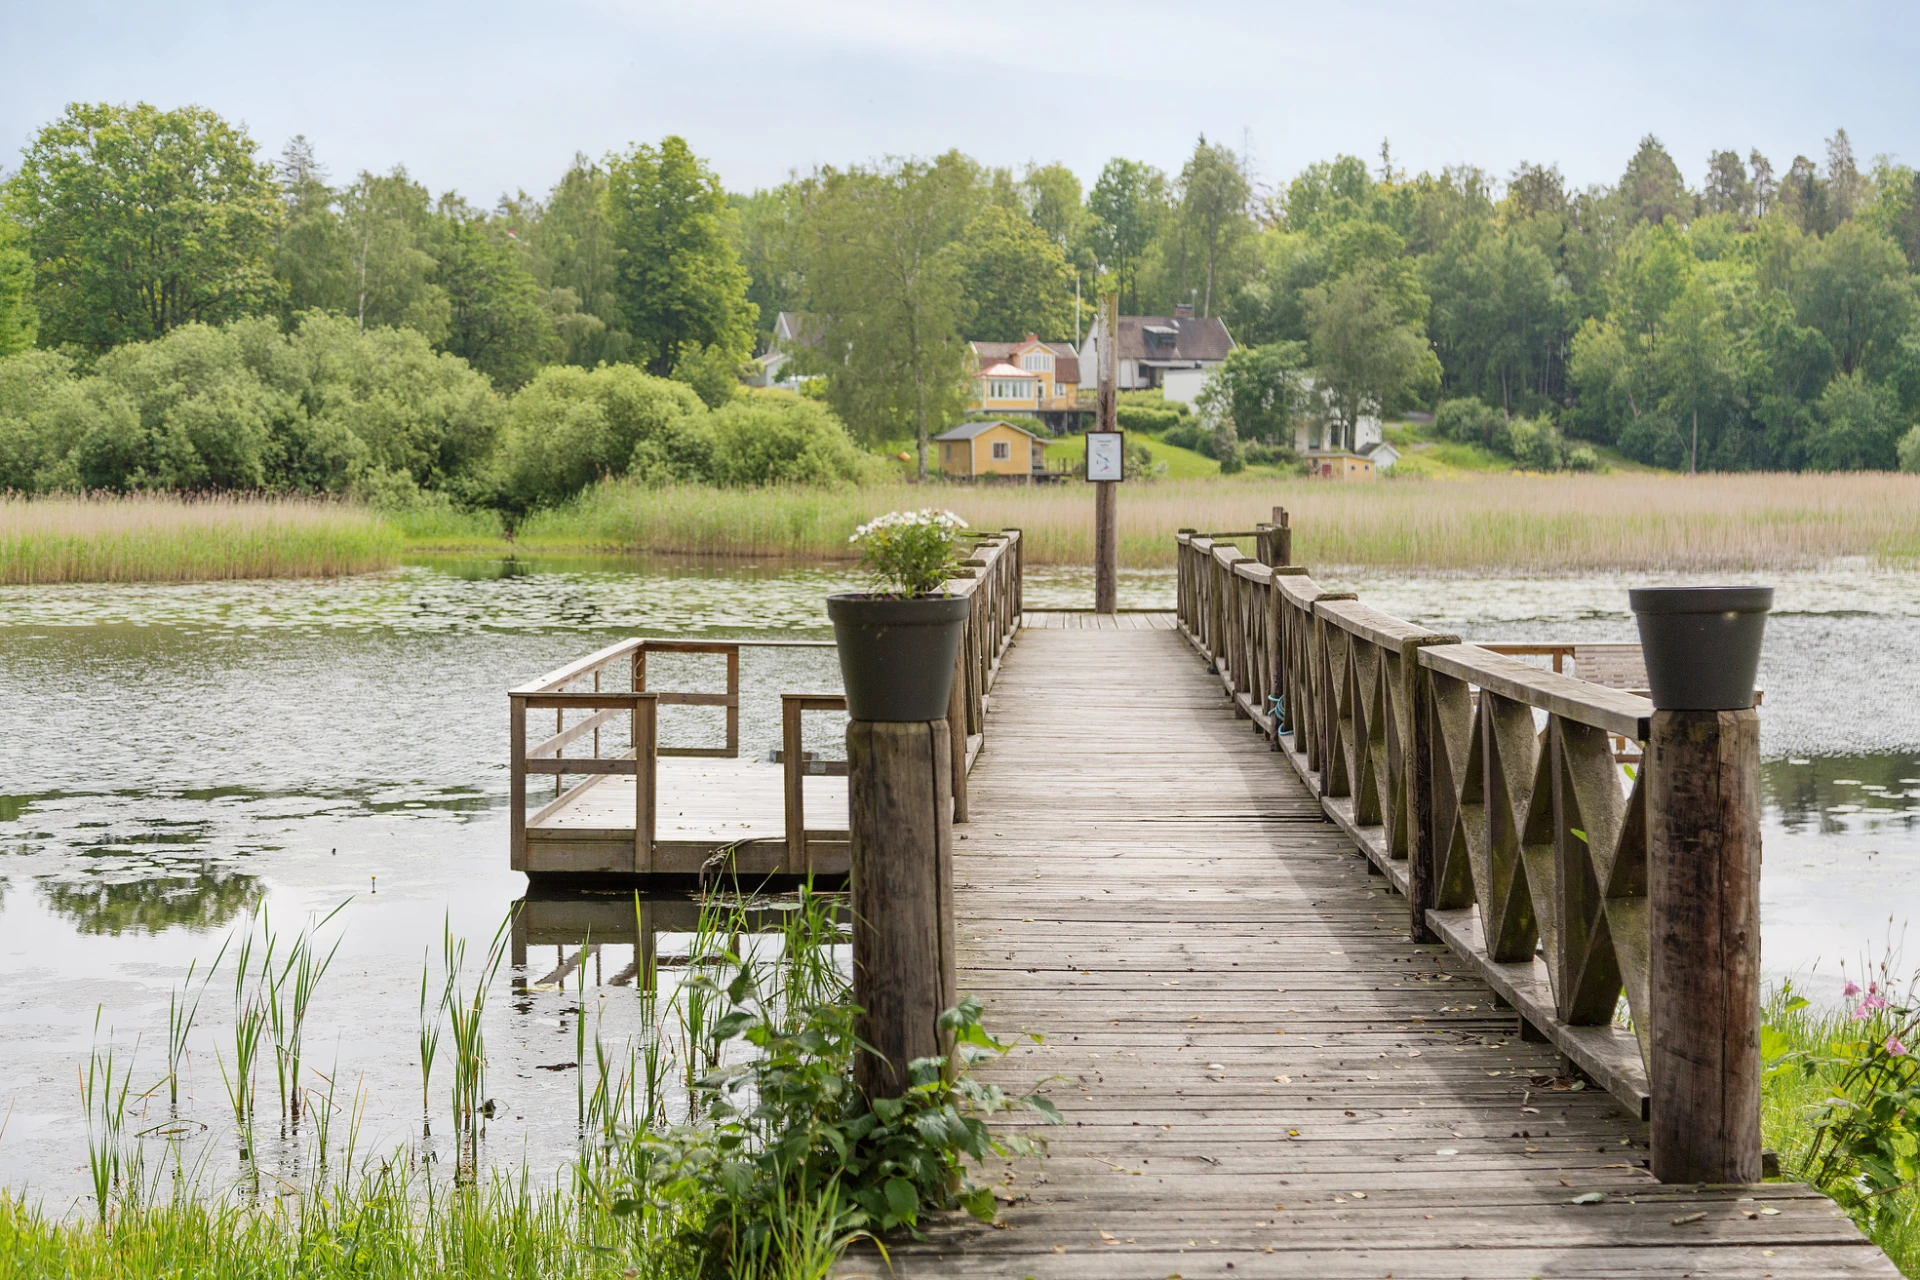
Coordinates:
1865	795
208	899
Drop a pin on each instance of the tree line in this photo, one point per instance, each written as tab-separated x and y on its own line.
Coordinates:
1763	319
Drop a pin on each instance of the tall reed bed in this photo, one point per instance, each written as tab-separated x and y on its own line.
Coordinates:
165	538
1517	523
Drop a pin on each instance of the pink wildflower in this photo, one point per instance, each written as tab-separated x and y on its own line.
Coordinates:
1874	1000
1859	1013
1894	1046
1852	989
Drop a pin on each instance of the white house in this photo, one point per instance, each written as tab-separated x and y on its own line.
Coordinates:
790	330
1384	455
1311	435
1175	353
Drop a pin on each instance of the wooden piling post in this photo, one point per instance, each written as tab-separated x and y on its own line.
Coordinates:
900	797
1106	536
1280	540
1703	856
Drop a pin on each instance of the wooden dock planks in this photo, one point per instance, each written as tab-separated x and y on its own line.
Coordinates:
1261	1076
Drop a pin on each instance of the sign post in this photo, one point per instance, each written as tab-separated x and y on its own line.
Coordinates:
1106	462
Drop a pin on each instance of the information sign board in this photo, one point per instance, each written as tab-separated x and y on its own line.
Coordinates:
1106	455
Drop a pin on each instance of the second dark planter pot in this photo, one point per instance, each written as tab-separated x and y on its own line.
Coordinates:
1701	644
896	655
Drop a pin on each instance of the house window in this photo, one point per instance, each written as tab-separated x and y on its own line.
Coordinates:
1002	451
1037	362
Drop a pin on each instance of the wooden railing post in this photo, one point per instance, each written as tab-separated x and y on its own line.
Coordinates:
900	798
957	734
517	766
1703	854
1421	746
645	732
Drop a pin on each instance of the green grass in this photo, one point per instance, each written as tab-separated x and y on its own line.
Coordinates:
440	526
385	1225
1424	454
1182	464
1791	1101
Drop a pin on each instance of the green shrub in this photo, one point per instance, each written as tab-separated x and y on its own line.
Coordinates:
1191	436
776	437
1583	458
1256	454
246	406
711	371
1153	419
1909	449
570	427
1536	445
1473	421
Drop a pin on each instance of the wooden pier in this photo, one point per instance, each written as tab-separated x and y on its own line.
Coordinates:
1261	1075
1356	950
643	810
1328	922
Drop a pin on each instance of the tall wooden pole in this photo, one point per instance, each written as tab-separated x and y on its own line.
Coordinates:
1703	899
1106	536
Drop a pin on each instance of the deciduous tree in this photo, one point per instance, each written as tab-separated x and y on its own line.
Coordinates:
681	282
1213	209
883	277
1129	206
1016	278
1366	357
140	220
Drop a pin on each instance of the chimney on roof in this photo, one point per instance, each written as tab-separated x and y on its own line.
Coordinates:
1033	337
1183	311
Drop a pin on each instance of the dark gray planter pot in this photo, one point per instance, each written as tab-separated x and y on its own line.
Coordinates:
896	655
1701	644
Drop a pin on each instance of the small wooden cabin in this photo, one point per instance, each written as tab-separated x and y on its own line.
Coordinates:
994	448
1340	465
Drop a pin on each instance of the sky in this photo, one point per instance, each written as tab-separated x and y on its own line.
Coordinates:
487	97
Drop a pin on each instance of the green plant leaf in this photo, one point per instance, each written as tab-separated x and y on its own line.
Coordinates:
978	1201
903	1199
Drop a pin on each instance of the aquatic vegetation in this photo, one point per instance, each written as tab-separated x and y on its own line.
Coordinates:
764	1164
1526	523
165	538
103	1097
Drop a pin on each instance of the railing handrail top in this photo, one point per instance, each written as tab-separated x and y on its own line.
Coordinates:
583	699
1301	589
1582	701
1228	554
1371	624
579	667
1253	571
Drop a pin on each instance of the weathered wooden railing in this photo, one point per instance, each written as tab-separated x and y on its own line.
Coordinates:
627	660
612	684
1490	792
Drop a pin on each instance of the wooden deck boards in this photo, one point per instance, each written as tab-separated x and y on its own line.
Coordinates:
1086	620
1261	1076
704	805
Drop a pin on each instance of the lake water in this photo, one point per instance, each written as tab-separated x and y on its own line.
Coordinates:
177	757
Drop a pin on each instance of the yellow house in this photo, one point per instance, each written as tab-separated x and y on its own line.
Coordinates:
975	449
1028	378
1339	465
